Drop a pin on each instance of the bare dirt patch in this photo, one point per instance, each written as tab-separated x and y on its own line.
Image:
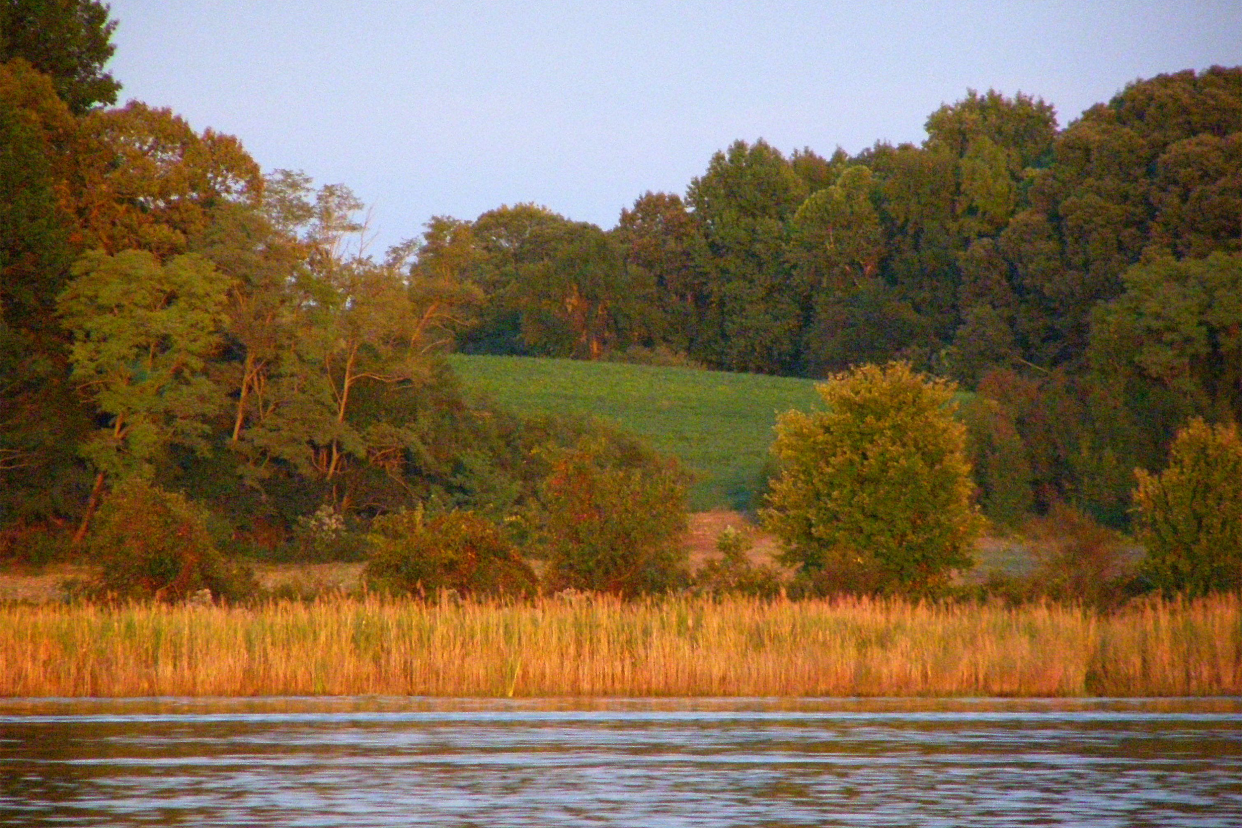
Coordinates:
310	579
41	586
706	527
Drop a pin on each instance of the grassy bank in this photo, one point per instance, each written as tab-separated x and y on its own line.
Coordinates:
678	647
718	424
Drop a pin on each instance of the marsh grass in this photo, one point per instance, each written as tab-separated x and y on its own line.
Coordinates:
602	647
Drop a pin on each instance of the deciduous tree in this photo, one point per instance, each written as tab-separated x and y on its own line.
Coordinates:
874	492
143	333
68	40
744	203
1190	515
39	420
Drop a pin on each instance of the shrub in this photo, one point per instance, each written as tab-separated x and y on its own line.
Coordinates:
1190	515
35	545
661	355
325	536
1078	559
613	526
151	543
459	551
734	573
873	494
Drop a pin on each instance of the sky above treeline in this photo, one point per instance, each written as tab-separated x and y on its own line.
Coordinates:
454	108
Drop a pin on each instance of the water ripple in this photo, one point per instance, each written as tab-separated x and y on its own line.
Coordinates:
701	762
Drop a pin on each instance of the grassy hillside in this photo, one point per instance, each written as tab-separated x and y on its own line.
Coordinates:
718	424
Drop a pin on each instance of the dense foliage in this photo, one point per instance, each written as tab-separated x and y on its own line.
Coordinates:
1082	281
67	40
459	551
610	522
155	544
1021	259
1190	515
874	493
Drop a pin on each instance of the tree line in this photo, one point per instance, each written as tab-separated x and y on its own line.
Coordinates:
1081	281
172	313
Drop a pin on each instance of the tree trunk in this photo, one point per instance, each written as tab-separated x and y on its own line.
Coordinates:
92	504
247	372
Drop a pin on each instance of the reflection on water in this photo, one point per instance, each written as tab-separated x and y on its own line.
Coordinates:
700	762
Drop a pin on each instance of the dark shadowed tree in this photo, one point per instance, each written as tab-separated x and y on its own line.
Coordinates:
1177	325
744	203
662	238
68	40
40	420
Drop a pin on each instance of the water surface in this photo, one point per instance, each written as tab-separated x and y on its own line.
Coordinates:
697	762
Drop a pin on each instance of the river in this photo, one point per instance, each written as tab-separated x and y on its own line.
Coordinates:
643	762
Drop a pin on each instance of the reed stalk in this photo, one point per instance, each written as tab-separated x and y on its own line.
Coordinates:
605	647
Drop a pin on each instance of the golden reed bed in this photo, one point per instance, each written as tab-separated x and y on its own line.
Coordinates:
670	647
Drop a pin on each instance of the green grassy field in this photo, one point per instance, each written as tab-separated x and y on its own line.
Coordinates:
718	424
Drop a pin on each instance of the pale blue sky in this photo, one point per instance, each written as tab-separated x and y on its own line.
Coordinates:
454	108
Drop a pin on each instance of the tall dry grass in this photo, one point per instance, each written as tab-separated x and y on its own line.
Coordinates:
675	647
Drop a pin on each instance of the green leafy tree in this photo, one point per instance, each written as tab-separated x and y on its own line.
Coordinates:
916	190
440	266
143	333
984	341
445	302
1037	288
362	336
329	348
943	208
661	238
553	287
1152	168
1165	350
268	267
1190	515
346	322
998	142
35	132
836	247
154	544
836	236
575	303
744	204
68	40
1198	195
1177	325
447	249
510	243
869	323
998	460
874	492
146	180
816	171
1023	125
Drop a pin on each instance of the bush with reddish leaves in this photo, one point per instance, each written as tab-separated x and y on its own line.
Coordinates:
613	523
154	544
461	551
